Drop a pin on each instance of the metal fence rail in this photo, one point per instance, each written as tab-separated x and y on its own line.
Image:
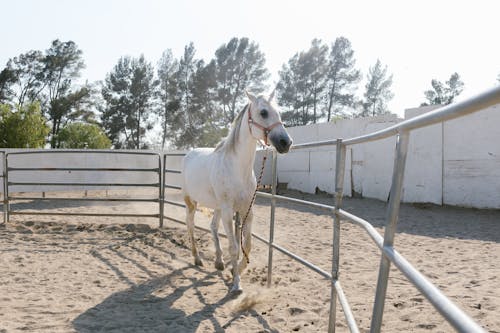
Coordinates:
456	317
8	170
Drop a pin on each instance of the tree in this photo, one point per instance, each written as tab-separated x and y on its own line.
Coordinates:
196	123
302	83
444	94
24	128
240	66
27	72
378	90
128	91
80	135
7	79
342	77
63	63
167	95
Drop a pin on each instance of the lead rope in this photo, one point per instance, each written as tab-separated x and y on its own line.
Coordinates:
251	204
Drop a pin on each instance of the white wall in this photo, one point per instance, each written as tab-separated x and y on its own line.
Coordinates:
314	168
472	160
455	163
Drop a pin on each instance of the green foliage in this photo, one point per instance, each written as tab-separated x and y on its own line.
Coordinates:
302	84
318	82
128	92
79	135
378	91
240	66
342	77
443	94
24	128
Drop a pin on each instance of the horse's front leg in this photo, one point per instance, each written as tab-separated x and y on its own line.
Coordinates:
247	240
234	247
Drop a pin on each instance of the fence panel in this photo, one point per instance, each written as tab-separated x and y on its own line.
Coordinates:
25	168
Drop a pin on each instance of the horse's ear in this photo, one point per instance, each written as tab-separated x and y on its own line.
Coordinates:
251	97
271	97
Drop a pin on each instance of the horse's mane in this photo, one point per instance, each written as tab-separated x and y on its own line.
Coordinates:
230	141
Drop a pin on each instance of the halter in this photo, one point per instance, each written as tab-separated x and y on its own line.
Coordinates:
266	130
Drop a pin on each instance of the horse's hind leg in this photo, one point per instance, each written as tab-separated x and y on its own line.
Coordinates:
214	227
190	211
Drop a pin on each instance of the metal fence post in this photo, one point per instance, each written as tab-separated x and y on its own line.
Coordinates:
339	190
6	207
161	180
274	185
5	190
390	228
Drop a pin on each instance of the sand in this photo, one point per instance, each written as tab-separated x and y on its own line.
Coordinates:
91	274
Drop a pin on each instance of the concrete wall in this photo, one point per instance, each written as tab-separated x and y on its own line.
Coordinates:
455	163
313	169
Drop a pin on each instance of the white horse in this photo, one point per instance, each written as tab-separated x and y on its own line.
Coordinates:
223	178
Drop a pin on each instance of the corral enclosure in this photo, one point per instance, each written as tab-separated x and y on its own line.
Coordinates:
301	245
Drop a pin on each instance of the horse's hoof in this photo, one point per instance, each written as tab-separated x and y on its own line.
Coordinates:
198	262
219	265
236	290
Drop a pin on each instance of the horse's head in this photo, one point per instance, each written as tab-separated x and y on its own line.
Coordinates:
265	122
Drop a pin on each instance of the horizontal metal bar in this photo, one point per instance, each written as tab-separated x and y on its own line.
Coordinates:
372	232
453	314
175	187
174	203
84	169
349	317
448	112
460	320
84	151
277	247
298	201
81	214
175	154
84	184
296	257
85	199
172	171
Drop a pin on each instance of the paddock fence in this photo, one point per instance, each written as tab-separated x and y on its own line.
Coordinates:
455	316
60	172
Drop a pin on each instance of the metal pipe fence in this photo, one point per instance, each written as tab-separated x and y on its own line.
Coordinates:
9	171
456	317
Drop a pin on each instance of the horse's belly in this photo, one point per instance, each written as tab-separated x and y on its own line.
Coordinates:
197	184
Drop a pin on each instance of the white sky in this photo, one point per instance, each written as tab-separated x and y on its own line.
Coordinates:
418	40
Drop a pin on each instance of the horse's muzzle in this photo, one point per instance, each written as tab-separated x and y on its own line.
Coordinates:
282	143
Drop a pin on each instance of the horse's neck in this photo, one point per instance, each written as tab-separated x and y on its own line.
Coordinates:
244	152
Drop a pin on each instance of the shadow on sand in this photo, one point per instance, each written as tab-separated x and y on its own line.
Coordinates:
419	219
140	309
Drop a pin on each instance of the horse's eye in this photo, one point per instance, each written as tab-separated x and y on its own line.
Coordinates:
263	113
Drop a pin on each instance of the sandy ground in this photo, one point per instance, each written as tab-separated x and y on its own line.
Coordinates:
102	274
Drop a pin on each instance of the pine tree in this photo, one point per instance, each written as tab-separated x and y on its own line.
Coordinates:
378	90
342	77
443	94
240	66
128	93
